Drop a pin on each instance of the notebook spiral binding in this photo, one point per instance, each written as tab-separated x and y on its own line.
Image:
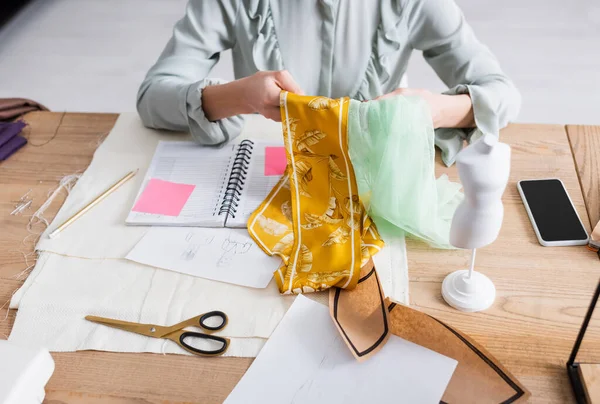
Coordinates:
237	178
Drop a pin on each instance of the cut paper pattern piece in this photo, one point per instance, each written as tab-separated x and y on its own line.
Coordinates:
478	378
163	197
361	314
275	161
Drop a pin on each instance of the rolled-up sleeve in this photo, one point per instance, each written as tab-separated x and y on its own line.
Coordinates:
466	66
170	97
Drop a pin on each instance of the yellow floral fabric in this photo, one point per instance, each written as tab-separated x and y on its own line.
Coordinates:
313	218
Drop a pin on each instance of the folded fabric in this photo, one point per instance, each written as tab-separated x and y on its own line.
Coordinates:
313	218
8	130
391	146
10	141
11	108
12	146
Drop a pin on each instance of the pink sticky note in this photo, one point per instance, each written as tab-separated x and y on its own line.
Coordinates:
275	161
163	197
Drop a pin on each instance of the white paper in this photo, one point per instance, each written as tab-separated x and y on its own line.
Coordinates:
306	362
225	255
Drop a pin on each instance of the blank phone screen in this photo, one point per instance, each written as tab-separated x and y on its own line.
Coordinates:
552	210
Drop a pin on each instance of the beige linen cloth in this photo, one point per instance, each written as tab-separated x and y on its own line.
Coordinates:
83	271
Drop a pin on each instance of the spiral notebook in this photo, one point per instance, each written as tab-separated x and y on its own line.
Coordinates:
191	185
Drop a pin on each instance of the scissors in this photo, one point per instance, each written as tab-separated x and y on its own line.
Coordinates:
176	333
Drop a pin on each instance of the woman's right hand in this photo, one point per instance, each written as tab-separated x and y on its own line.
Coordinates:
258	93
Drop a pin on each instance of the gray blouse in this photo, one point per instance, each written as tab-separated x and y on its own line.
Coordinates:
332	48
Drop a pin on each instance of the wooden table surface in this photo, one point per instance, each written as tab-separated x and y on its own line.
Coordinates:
542	293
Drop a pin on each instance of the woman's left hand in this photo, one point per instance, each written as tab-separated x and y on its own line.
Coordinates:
447	111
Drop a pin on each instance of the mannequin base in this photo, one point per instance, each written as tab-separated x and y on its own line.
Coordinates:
468	294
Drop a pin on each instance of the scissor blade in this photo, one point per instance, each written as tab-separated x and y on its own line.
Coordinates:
149	330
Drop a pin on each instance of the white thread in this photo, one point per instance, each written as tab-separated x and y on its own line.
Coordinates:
23	272
67	183
23	203
7	308
29	266
21	207
26	238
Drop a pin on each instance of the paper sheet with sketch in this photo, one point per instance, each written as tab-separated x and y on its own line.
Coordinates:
221	254
305	361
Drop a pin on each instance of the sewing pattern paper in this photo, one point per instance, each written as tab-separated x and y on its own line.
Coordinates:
220	254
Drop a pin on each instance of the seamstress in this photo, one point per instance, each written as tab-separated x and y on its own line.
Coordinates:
332	48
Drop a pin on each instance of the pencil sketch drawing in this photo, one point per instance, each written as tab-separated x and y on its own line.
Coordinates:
232	248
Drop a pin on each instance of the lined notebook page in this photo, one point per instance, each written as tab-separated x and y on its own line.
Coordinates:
188	163
257	185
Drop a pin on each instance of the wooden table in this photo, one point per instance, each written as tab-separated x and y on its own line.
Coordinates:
542	293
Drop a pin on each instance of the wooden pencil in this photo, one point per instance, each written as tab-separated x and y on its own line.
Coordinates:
93	203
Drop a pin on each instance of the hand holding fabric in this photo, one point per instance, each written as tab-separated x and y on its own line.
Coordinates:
447	111
258	93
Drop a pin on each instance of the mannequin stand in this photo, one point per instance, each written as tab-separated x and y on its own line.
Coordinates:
467	290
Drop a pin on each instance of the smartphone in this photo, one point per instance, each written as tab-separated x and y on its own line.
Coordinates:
552	213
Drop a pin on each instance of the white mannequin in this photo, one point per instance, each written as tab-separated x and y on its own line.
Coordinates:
483	168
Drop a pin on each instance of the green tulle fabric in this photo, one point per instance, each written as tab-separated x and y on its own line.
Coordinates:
391	146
